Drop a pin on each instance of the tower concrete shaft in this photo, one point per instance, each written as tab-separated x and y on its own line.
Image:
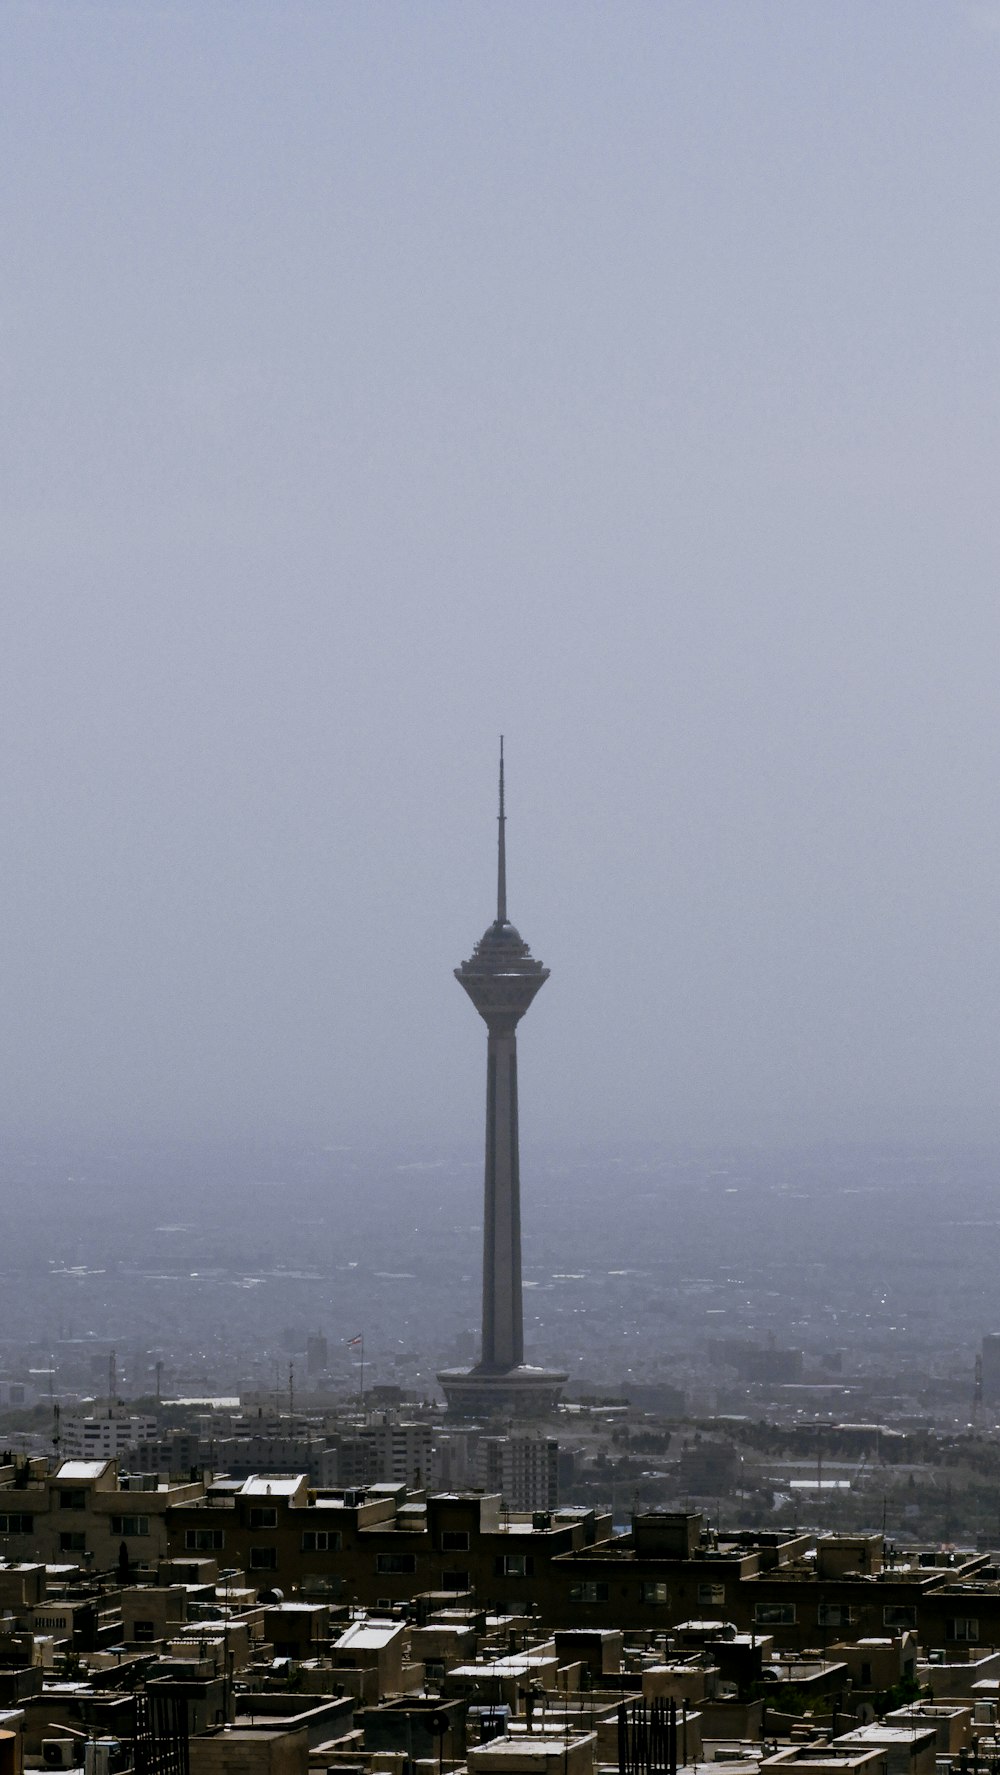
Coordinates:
503	1322
502	978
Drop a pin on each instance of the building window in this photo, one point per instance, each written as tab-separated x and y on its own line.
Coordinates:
72	1542
962	1630
514	1565
321	1540
264	1516
589	1591
204	1540
834	1614
653	1590
263	1559
73	1500
394	1565
712	1596
143	1632
454	1580
17	1525
774	1614
130	1525
454	1540
903	1620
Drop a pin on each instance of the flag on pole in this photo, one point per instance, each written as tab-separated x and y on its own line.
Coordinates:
355	1340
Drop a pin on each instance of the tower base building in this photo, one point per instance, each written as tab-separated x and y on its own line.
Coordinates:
523	1392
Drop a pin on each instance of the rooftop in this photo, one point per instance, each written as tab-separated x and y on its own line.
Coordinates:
525	1746
262	1485
367	1635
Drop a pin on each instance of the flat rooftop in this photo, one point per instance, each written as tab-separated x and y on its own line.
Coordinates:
367	1636
278	1485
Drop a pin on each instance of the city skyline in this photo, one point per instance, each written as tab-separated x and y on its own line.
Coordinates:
622	380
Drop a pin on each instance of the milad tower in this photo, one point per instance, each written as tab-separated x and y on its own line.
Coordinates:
501	979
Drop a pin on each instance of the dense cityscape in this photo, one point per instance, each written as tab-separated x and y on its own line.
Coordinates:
768	1494
499	1210
785	1322
748	1514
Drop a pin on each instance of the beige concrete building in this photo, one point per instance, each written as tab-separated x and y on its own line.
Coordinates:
83	1513
249	1750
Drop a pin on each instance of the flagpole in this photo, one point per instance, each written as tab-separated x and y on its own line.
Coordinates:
351	1342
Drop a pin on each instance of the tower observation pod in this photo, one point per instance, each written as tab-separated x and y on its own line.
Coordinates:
501	978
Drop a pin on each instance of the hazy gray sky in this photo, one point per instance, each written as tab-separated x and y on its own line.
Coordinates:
377	378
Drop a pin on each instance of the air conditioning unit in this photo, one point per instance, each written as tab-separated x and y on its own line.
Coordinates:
59	1753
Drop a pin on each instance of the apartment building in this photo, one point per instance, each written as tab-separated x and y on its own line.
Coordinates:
382	1546
102	1438
84	1512
523	1469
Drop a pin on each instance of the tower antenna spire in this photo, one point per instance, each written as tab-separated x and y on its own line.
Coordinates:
501	852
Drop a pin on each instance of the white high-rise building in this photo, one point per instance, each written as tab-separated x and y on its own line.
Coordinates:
404	1453
103	1438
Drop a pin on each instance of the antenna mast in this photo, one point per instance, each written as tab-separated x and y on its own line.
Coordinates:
501	852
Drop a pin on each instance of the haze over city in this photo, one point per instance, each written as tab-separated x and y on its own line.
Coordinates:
378	380
498	960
